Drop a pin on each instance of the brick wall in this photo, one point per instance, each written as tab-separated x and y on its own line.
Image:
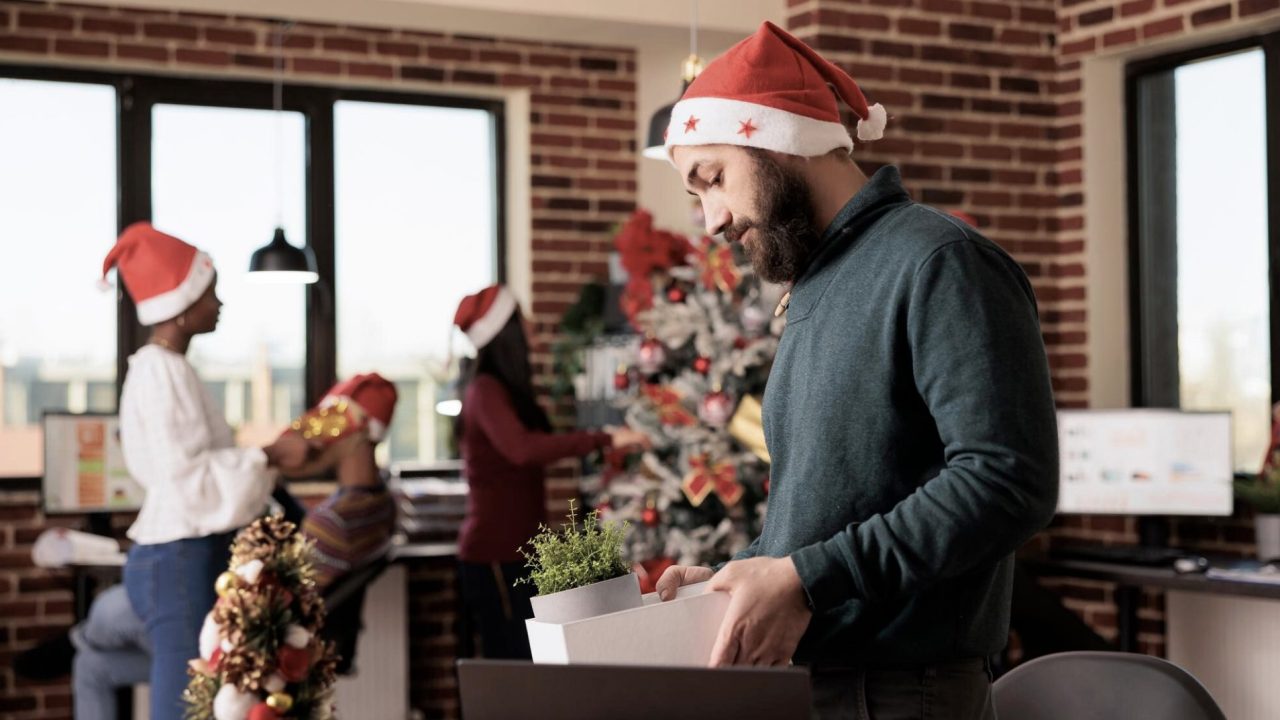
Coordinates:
583	126
987	103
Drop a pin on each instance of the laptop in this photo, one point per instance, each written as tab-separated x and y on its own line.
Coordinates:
521	690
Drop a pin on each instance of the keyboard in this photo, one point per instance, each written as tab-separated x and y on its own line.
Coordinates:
1121	554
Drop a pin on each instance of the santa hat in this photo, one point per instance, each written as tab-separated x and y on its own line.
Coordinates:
163	274
483	315
364	402
770	91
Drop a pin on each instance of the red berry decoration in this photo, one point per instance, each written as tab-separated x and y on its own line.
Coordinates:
621	380
294	663
650	517
675	295
702	365
263	711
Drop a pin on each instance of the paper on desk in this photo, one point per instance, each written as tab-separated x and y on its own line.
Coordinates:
59	547
1266	574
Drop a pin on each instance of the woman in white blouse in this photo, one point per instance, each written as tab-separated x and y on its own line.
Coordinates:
200	488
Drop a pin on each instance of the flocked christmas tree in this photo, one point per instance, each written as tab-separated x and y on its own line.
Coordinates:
695	387
261	657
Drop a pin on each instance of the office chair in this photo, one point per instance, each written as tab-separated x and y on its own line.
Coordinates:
1102	686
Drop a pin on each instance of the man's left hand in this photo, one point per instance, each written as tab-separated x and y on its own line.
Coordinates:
767	613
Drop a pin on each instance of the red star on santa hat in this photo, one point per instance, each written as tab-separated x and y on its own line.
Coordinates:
691	124
747	128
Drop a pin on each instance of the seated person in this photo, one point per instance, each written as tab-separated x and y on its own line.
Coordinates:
351	528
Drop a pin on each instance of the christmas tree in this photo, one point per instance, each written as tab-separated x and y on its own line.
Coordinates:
260	654
709	337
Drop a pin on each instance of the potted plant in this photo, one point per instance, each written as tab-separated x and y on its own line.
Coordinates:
579	572
1263	494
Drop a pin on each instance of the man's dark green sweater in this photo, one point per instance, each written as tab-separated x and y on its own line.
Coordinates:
911	424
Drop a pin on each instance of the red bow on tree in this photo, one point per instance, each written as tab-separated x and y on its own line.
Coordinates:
671	409
644	250
704	477
718	268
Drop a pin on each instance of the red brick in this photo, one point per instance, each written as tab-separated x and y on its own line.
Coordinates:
1253	7
231	36
916	26
970	80
1120	37
349	44
521	80
28	20
1011	36
966	31
547	60
474	77
827	42
991	152
169	31
1037	15
598	64
112	26
990	199
595	143
1070	384
445	52
253	60
969	127
950	7
855	20
916	76
869	71
991	10
317	66
1220	13
203	57
1096	17
500	56
422	72
370	70
1162	27
398	49
1082	46
142	52
294	41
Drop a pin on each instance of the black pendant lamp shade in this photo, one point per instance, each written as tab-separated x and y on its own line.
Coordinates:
279	261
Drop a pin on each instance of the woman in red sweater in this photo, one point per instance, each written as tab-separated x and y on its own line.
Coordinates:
507	442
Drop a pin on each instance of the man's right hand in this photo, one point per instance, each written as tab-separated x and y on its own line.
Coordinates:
678	576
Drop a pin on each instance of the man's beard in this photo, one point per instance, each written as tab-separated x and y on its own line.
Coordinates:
784	239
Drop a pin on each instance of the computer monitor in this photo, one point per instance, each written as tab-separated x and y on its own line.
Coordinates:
1145	462
84	467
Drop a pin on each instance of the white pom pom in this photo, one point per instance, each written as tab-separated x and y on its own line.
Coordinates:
274	684
296	636
250	571
872	126
231	703
226	646
209	636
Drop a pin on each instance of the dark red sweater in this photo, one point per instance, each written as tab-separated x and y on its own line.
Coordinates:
505	464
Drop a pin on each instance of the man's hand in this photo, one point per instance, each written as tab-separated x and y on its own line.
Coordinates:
767	613
677	576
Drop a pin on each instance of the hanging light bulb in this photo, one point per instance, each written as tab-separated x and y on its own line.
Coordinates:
655	146
279	261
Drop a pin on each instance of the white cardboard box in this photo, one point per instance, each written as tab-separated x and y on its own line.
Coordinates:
680	632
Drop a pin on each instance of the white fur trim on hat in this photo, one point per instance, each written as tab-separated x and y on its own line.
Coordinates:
487	327
720	121
171	304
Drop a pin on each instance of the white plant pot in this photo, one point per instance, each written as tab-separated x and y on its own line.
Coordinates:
609	596
1266	527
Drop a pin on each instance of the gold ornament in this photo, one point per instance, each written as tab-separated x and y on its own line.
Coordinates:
280	702
227	582
747	427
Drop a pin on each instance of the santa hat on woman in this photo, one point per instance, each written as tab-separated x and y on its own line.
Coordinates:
770	91
364	403
163	274
483	315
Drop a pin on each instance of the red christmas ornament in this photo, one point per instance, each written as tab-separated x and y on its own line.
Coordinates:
675	295
716	408
702	365
739	343
621	380
294	663
215	659
652	355
263	711
650	517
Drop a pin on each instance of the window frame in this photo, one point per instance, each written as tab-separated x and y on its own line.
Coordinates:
138	93
1153	368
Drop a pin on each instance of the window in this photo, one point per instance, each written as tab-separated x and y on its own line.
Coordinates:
1204	240
413	183
58	204
214	184
398	238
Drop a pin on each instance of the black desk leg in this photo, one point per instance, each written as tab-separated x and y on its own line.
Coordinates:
1128	598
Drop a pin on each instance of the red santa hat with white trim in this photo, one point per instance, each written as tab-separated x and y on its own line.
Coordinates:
163	274
374	395
483	315
773	92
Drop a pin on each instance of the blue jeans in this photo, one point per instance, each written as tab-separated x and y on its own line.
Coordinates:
170	586
112	651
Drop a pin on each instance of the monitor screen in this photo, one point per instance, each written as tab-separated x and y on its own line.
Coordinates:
84	467
1144	462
